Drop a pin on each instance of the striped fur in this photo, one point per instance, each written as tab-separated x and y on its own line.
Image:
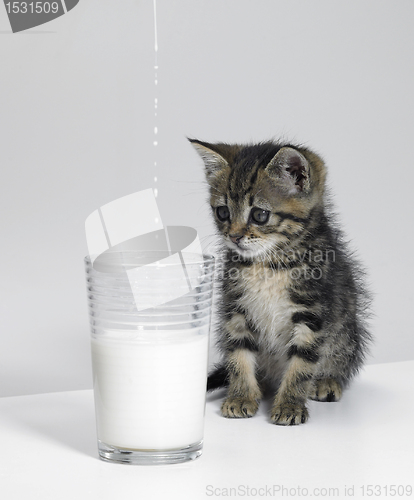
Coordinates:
293	303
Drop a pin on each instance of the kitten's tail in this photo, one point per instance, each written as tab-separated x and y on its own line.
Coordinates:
217	378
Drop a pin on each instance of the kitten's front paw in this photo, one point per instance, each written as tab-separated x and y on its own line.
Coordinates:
237	407
326	390
289	414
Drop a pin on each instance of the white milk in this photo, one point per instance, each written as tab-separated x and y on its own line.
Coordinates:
151	395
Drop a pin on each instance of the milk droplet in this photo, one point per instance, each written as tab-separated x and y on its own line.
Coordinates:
156	194
155	179
155	143
155	130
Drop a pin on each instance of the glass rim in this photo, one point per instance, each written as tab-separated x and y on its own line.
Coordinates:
201	258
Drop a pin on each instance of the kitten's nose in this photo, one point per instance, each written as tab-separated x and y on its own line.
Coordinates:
235	238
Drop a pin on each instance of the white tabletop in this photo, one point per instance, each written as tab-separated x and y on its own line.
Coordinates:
48	449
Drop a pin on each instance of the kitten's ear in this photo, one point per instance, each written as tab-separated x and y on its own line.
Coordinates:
292	168
213	161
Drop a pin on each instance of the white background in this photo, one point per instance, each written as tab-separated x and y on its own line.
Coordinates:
77	119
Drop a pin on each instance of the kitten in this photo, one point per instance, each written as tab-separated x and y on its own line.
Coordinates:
293	303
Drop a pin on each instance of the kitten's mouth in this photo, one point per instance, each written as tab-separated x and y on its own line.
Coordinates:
239	247
243	250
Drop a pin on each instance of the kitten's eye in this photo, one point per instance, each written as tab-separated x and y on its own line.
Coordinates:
260	216
222	213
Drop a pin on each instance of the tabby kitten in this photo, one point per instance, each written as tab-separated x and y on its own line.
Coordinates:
293	305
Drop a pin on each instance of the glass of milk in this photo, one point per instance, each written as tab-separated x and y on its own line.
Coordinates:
150	320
